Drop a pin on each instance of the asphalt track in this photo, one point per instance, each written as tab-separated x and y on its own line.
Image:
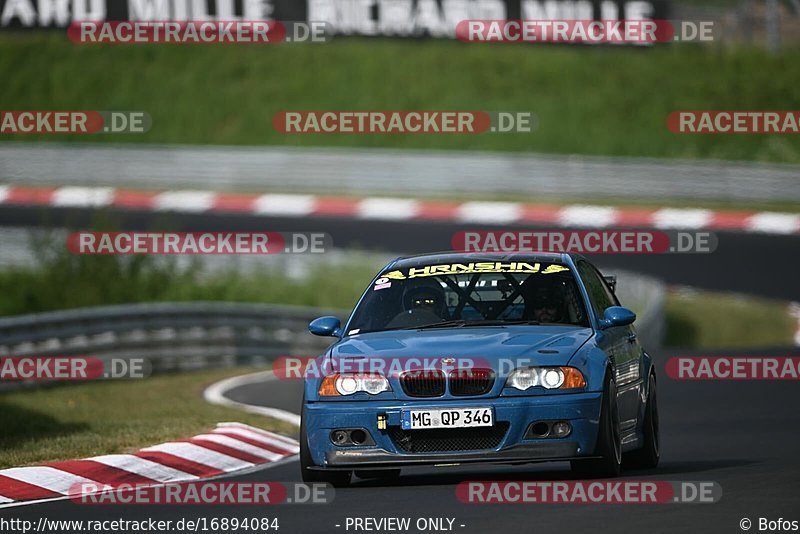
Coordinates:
759	264
742	435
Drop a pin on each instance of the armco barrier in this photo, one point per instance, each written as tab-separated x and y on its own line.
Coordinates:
647	296
370	172
193	335
172	336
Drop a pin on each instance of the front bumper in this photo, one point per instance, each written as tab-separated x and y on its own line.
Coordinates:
581	410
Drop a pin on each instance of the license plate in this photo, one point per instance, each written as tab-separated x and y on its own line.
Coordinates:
451	418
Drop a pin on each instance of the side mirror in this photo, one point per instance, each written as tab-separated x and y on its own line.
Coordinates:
616	316
325	326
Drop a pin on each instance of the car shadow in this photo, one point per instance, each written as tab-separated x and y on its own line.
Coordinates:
413	477
20	424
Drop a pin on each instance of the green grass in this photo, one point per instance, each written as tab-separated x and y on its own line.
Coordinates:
708	320
61	280
76	421
603	101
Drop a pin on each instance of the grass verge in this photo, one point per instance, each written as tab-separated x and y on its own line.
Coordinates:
75	421
60	280
709	320
601	101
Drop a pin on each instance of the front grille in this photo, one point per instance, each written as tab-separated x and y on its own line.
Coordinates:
464	382
424	383
449	439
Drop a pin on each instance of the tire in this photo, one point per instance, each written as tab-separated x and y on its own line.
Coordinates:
648	456
338	479
609	441
385	475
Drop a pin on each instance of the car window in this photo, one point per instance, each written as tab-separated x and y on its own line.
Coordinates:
541	292
600	295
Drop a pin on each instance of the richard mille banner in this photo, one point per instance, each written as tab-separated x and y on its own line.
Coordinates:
389	18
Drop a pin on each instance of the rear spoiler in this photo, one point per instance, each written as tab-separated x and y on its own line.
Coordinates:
611	280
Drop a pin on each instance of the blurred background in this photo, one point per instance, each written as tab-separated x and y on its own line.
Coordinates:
601	144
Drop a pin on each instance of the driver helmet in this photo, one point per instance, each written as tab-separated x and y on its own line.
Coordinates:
424	296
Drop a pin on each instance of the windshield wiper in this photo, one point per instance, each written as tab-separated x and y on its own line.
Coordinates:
443	324
461	323
521	321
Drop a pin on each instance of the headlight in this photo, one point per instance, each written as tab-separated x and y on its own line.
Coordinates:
548	377
349	383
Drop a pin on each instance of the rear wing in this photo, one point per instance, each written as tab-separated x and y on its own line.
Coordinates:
611	280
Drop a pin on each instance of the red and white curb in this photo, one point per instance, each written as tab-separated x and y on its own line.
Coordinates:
228	448
400	209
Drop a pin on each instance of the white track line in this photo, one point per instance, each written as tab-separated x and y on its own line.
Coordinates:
215	394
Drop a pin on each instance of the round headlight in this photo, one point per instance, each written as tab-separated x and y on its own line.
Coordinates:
347	385
552	378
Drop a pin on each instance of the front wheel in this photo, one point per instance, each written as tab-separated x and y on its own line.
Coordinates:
648	456
609	441
337	479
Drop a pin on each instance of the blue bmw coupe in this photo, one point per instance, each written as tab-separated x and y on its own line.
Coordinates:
457	358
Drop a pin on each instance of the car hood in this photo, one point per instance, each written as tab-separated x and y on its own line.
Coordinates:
534	344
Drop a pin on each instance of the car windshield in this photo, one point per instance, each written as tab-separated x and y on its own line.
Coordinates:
470	294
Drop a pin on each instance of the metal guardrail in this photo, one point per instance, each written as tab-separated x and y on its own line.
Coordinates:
386	171
173	336
193	335
647	296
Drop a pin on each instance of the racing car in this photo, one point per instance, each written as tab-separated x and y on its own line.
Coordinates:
455	358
